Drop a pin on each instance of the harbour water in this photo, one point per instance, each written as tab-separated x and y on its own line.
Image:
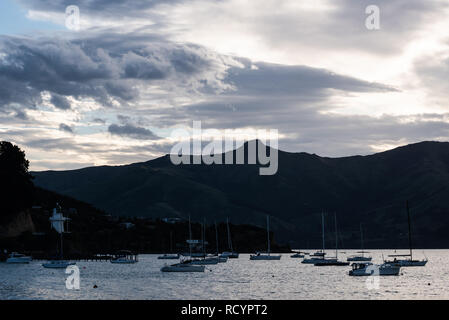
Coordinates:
236	279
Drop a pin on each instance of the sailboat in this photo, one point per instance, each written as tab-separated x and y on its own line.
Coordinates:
319	255
332	261
57	221
205	259
171	255
229	254
221	259
267	256
185	265
360	257
407	262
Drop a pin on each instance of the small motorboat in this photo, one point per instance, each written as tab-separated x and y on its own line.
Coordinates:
15	257
58	264
330	262
184	266
368	269
358	258
204	261
124	257
230	254
169	256
222	259
264	256
297	255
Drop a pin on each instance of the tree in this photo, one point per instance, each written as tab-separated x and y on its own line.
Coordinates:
16	186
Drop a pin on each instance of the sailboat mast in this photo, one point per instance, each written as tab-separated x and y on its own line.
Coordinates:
229	236
409	230
322	228
268	233
190	238
361	239
336	237
216	236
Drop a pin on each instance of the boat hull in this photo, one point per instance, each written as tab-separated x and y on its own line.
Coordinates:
331	263
378	270
230	255
18	260
409	263
123	261
167	257
264	257
58	264
355	259
207	261
183	268
297	255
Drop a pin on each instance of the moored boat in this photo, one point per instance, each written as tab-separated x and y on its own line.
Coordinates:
15	257
368	269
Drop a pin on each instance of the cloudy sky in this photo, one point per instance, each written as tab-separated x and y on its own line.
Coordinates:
112	91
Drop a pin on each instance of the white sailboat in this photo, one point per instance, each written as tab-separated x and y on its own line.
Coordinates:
186	265
407	262
267	256
318	256
332	261
359	257
58	221
229	254
15	257
171	256
221	259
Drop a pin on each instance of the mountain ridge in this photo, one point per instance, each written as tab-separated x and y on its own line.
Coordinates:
371	189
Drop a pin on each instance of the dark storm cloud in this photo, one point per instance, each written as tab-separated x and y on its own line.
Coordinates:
66	128
60	102
106	8
104	67
129	130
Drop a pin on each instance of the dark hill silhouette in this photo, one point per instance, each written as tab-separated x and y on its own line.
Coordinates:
369	189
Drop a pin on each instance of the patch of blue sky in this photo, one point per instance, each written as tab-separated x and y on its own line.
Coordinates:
14	21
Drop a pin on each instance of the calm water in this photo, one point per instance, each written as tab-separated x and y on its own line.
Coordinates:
236	279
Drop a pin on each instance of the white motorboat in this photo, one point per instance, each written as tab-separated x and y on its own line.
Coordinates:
265	256
368	269
230	254
205	261
15	257
124	257
169	256
407	262
58	264
297	255
59	222
359	257
183	267
222	259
